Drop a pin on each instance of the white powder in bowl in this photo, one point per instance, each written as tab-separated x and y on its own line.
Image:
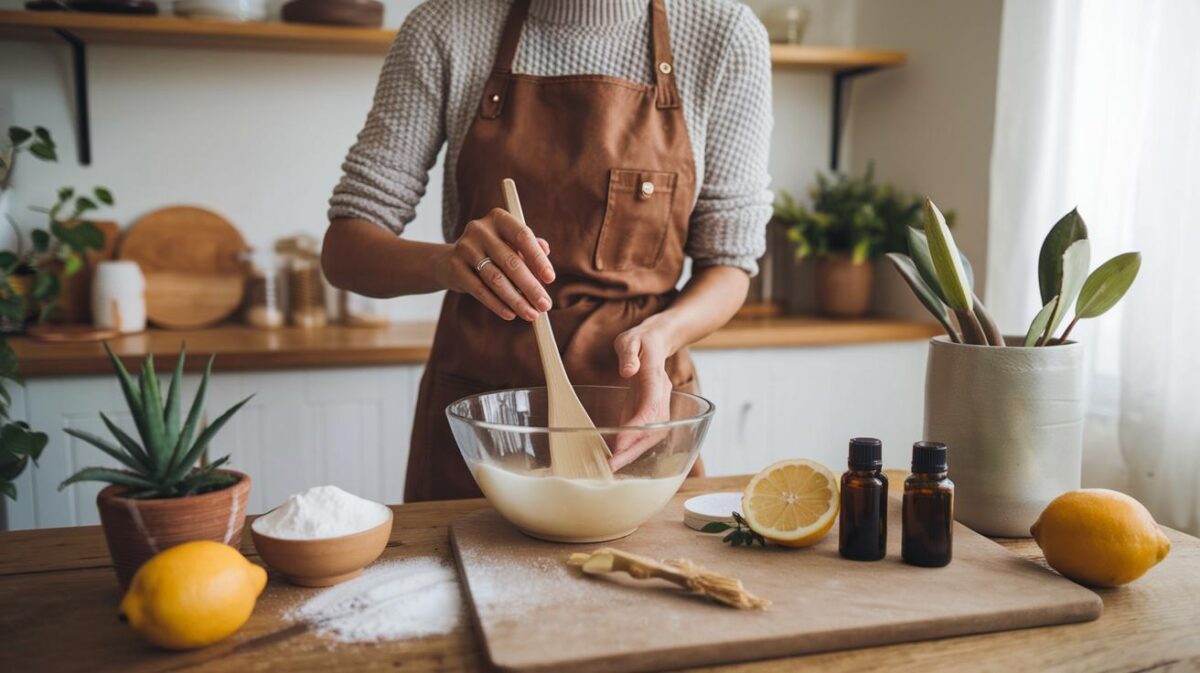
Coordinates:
321	512
391	600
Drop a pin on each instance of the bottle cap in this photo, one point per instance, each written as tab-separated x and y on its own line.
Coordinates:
929	457
866	453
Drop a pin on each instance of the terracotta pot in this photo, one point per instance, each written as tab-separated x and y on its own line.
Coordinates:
1013	419
138	529
22	286
843	287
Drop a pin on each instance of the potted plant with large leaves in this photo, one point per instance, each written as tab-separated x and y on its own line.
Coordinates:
165	492
1011	408
851	221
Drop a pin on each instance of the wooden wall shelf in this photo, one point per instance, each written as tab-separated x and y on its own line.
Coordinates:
833	59
81	29
170	31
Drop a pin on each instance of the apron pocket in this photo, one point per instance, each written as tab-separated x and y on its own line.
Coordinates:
636	219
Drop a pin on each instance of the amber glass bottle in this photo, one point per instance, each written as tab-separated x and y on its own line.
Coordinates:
862	527
928	513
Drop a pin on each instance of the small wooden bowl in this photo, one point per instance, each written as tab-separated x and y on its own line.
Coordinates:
323	562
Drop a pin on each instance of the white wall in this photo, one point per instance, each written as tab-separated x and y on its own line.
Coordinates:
256	136
928	125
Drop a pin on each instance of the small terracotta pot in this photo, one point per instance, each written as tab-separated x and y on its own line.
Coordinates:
138	529
843	287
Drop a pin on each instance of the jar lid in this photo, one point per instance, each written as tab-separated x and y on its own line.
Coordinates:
711	507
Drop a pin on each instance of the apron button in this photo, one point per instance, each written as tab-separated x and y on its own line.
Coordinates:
647	188
664	68
495	98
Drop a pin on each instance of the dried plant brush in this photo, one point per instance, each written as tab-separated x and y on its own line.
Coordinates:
694	578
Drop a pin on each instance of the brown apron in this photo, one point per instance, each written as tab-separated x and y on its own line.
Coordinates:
606	176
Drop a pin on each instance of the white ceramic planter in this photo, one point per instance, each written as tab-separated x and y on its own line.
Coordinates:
1013	419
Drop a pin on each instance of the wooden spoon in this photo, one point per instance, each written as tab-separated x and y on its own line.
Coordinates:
573	455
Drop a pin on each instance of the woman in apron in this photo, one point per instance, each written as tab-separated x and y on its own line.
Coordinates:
615	192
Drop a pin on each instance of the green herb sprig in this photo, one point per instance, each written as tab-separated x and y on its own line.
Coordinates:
741	535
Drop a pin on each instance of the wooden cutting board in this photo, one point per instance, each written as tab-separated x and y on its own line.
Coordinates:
537	614
191	258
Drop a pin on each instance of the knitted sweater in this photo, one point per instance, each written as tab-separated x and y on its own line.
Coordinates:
430	88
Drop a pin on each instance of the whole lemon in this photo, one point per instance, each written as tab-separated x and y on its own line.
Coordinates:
1099	537
193	595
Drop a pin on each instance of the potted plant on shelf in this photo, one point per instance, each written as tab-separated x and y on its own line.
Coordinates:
1011	408
161	497
36	281
850	222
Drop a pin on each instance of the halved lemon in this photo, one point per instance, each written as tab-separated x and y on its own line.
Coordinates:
792	503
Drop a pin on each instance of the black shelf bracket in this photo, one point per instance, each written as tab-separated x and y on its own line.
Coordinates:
83	126
841	81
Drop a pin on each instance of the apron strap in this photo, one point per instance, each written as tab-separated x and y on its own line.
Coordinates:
496	87
664	64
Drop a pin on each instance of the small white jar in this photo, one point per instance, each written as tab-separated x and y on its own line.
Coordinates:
119	296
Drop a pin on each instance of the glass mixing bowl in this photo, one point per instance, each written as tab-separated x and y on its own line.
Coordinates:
504	439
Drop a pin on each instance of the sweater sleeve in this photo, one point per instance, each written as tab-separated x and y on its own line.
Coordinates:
733	206
386	171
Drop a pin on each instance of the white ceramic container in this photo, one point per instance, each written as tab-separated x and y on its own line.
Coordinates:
119	296
223	10
1013	419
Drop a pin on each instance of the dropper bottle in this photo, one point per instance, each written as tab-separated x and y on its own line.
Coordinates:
928	510
862	528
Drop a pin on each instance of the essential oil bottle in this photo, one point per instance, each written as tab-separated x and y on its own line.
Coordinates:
928	513
862	527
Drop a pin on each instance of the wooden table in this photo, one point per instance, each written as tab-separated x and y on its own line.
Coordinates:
58	599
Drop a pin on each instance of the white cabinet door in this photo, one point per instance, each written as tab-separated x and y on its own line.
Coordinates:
778	403
349	427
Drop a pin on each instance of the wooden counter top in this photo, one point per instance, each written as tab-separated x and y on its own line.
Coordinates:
58	598
241	348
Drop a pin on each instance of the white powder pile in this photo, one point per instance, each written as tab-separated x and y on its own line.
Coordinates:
321	512
392	600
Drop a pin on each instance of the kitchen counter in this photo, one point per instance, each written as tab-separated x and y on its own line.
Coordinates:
58	598
241	348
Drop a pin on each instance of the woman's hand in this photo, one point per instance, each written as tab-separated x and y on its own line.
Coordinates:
511	283
642	354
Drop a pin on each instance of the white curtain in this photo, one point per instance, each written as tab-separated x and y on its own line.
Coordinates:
1098	106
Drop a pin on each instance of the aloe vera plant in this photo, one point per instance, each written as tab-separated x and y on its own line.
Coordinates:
941	278
163	464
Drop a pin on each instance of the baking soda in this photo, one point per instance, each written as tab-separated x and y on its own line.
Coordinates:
321	512
392	600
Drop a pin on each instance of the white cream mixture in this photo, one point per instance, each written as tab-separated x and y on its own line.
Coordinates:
574	510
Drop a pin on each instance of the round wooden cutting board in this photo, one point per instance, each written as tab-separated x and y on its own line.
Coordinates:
192	261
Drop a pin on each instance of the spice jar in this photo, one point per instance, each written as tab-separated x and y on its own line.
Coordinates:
307	288
263	296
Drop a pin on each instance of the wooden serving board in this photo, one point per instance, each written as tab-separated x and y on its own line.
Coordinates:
537	614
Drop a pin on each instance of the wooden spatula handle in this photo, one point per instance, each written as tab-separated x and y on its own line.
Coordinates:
547	347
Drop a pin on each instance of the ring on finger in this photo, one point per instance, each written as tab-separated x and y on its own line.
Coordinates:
482	263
